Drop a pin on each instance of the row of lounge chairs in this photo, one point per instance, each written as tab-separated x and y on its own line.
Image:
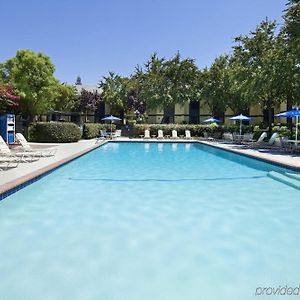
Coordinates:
160	134
104	134
24	154
275	141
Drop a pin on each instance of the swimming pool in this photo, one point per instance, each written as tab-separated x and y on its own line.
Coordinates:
151	221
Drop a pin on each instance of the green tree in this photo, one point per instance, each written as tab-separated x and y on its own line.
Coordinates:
163	83
114	91
32	74
215	85
290	53
258	54
66	98
78	80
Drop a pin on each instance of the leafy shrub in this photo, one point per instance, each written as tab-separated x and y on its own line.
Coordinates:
92	130
54	132
282	130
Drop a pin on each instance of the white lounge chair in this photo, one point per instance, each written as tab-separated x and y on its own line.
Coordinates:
117	133
103	133
160	134
27	148
272	139
16	155
228	137
188	134
174	134
261	144
247	138
147	134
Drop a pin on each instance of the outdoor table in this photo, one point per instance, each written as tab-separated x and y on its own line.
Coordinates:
294	142
141	136
109	134
294	145
167	136
153	136
181	136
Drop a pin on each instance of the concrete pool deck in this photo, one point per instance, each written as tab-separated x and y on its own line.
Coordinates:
273	156
25	172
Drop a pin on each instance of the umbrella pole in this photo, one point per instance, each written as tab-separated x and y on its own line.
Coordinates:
240	127
296	128
110	129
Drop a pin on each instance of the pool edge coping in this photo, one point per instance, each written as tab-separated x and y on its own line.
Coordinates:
14	185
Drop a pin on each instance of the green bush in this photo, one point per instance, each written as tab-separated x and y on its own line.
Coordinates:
281	130
92	130
54	132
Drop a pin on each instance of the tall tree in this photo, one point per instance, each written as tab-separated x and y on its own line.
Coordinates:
66	98
290	53
114	91
163	83
32	74
89	101
78	81
258	53
215	85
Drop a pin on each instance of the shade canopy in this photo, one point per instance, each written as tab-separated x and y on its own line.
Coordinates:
212	120
111	118
291	114
241	118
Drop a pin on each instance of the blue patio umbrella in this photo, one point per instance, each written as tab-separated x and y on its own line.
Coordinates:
212	120
111	118
290	114
241	118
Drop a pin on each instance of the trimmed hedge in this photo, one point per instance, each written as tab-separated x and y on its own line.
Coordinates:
54	132
196	130
92	130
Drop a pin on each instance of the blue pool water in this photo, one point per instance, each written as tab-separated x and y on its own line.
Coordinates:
139	221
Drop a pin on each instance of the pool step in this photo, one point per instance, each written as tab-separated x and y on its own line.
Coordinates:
292	182
293	175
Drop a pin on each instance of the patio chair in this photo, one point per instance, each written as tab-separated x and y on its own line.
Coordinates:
248	138
160	134
27	148
16	155
103	133
174	134
259	142
147	134
117	133
188	134
228	137
286	146
269	145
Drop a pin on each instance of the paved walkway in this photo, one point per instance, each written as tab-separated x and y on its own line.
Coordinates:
27	171
271	155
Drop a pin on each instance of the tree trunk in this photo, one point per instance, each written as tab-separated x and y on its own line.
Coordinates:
289	121
270	117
